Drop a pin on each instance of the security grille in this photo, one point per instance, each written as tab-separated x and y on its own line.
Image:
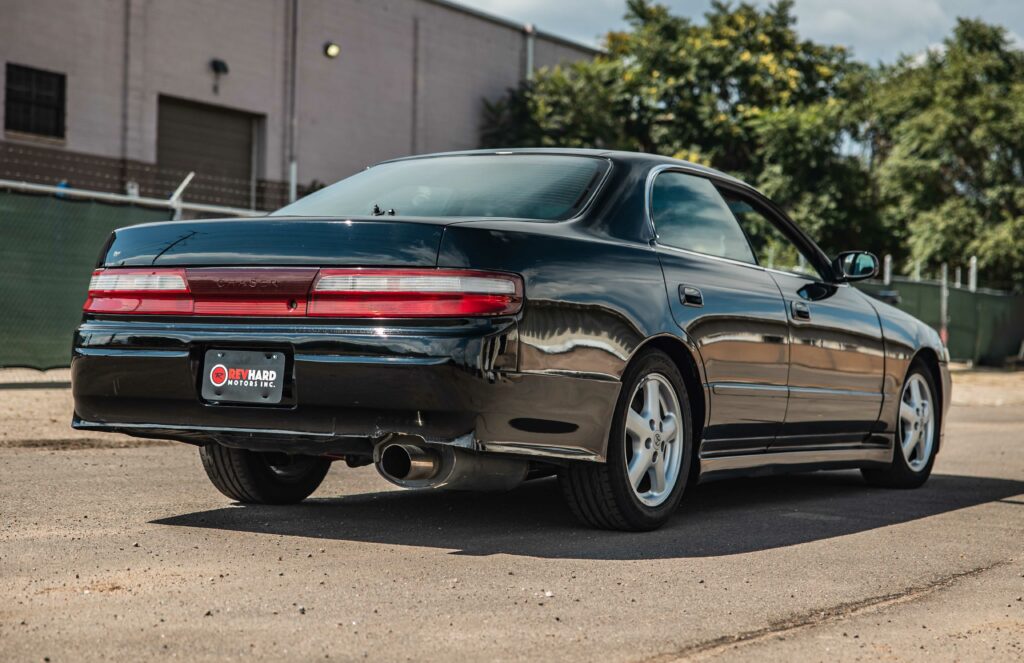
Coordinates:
34	101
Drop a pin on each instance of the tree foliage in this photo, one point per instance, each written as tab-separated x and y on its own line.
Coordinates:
921	159
948	134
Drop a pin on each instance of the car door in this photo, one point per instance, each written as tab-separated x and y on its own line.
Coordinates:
729	306
836	358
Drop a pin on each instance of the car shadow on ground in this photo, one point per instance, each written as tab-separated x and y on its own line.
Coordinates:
720	518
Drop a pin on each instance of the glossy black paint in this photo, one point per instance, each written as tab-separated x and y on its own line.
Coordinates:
277	241
599	288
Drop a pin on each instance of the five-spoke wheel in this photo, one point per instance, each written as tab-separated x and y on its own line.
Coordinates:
916	433
649	450
917	422
653	451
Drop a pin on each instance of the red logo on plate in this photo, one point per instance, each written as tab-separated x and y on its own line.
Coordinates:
218	375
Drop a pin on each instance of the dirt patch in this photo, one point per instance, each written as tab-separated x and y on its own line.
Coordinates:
988	387
73	444
36	409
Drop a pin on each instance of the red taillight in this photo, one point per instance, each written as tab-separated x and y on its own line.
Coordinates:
286	292
413	293
135	291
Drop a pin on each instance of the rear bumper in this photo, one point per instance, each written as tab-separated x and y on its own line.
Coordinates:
347	386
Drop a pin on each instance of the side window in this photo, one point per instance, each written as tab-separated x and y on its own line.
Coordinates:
689	213
771	247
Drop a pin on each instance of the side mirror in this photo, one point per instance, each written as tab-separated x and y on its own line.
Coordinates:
854	266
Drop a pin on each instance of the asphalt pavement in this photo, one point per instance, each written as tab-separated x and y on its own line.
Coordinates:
130	554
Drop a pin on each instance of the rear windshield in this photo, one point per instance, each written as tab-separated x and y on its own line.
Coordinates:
516	186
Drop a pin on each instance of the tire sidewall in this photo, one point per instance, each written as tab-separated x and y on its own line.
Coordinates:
899	462
638	514
274	489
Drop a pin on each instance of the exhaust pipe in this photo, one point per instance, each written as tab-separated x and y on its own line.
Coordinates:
407	462
415	466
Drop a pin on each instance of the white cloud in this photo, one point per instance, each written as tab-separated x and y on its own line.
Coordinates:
875	29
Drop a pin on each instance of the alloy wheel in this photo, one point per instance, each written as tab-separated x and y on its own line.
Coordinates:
654	447
917	423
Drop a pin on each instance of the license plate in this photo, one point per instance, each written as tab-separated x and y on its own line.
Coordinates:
243	376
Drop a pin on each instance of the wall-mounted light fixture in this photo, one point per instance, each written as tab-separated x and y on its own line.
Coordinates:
331	50
219	68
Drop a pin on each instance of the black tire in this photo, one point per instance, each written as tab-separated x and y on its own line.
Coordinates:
600	494
254	477
899	474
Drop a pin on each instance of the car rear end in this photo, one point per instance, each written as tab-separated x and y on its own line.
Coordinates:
296	358
319	335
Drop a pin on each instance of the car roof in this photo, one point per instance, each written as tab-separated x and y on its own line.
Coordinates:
633	158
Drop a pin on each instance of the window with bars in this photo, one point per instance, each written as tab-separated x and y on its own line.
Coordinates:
34	101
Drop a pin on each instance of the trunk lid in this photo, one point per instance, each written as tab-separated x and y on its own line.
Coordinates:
390	242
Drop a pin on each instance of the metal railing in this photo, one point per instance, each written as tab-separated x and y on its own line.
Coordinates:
174	203
51	236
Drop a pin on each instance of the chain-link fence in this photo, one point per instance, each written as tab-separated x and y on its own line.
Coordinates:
49	244
49	249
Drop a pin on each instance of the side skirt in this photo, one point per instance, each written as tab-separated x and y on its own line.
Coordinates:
781	462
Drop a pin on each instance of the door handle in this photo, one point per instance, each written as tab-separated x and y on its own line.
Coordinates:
690	296
801	311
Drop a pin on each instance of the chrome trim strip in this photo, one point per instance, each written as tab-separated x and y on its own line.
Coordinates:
566	373
544	451
118	352
708	256
792	458
809	277
367	359
780	391
741	389
94	425
836	394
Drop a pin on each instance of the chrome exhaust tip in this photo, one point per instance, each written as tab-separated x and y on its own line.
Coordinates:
408	462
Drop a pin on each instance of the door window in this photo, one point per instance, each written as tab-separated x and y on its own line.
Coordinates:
772	248
689	213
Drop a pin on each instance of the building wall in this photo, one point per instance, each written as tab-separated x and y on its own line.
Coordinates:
410	79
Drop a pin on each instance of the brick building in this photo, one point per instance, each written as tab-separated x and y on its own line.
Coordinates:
114	94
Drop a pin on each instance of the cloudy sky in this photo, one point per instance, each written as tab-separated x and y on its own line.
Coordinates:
875	29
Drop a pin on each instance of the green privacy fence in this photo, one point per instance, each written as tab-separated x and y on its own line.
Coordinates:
985	326
49	245
48	249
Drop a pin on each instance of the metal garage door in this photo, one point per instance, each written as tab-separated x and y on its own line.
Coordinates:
217	143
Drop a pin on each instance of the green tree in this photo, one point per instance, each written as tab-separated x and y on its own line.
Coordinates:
739	91
947	132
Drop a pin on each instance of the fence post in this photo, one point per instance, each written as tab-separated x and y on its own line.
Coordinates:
887	269
956	278
944	305
972	275
175	199
917	270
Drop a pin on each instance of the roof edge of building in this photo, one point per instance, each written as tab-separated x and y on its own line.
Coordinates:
515	25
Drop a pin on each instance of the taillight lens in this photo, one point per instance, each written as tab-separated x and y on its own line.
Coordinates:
146	291
269	292
413	293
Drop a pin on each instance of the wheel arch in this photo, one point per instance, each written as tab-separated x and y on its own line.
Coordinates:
930	359
689	367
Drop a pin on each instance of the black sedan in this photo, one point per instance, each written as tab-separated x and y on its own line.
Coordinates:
632	323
